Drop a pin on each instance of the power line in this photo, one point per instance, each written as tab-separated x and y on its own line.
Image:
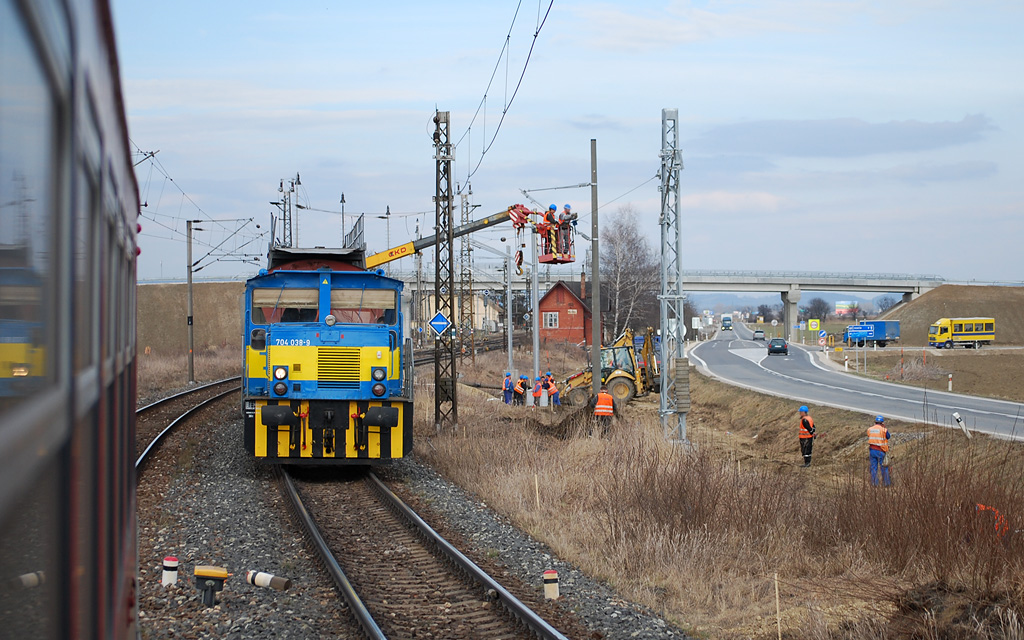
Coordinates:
510	100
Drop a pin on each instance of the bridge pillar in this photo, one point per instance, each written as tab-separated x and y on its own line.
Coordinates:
790	310
908	296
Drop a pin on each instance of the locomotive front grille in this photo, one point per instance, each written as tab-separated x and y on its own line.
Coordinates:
338	367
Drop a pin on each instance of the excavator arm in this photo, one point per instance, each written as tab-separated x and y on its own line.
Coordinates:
517	213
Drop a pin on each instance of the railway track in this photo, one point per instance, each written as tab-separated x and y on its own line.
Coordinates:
155	420
397	573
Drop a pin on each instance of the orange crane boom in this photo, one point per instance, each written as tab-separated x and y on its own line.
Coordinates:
517	213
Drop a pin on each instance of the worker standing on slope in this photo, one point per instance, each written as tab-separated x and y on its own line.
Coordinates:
878	450
806	435
519	391
506	388
604	408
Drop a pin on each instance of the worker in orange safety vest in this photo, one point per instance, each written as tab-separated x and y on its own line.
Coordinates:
551	219
878	449
806	435
604	408
519	391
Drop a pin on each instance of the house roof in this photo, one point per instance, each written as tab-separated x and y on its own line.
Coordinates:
574	289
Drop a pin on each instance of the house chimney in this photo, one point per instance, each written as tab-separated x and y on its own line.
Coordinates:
583	286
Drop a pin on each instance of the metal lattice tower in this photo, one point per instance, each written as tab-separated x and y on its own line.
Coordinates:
675	376
446	405
466	282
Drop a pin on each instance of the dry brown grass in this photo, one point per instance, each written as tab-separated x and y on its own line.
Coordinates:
699	533
159	375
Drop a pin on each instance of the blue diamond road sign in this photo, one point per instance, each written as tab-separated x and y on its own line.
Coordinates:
439	323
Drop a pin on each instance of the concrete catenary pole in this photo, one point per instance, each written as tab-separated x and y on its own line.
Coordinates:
595	250
534	311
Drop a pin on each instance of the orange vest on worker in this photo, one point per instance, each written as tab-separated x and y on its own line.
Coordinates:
605	405
876	437
804	431
549	217
537	389
519	388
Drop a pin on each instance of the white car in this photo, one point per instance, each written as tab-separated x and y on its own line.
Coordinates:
758	334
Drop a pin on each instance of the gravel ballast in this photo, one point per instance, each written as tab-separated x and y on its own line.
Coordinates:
224	509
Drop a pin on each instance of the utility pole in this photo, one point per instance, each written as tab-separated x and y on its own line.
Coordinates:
466	284
191	336
675	375
446	404
595	276
417	313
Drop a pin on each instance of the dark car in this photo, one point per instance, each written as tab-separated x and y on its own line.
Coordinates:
778	345
758	334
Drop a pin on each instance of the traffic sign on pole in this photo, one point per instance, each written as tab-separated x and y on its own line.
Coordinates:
821	333
439	323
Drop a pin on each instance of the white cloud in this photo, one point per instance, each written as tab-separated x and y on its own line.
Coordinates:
732	202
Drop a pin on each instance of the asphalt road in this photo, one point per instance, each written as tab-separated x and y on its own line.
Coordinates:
731	356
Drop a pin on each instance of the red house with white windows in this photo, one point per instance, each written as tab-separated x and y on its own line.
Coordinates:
565	314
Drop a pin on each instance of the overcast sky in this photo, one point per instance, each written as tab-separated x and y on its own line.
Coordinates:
840	136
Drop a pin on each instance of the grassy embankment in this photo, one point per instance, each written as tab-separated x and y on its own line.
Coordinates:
700	534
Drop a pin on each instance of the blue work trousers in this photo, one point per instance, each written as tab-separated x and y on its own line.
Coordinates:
508	396
876	464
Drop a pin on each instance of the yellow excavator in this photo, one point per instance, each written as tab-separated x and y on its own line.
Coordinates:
626	372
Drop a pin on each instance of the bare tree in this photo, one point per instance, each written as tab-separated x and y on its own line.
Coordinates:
885	303
629	271
765	311
818	309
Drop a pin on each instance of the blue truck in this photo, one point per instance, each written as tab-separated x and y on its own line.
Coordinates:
880	332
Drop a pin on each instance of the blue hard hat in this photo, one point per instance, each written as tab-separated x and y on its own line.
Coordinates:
803	408
548	373
507	373
538	378
568	207
553	208
879	419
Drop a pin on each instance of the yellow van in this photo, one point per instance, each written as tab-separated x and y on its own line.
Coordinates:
946	333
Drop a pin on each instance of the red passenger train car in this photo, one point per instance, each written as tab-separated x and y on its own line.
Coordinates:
68	224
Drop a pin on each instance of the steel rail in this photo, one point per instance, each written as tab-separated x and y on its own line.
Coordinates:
156	441
527	616
184	393
359	610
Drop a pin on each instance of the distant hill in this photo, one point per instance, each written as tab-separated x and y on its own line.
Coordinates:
1005	304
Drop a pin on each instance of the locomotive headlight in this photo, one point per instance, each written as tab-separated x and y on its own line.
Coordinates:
380	355
379	389
280	373
330	320
280	388
378	373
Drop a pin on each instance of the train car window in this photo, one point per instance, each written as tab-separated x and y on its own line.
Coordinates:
364	306
990	326
85	279
27	114
958	327
270	306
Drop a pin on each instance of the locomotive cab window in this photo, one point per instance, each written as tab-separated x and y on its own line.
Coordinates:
271	306
364	306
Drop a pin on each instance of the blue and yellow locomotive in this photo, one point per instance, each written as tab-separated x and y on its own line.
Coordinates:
326	371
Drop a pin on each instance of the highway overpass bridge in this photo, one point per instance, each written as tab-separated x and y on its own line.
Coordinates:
790	285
